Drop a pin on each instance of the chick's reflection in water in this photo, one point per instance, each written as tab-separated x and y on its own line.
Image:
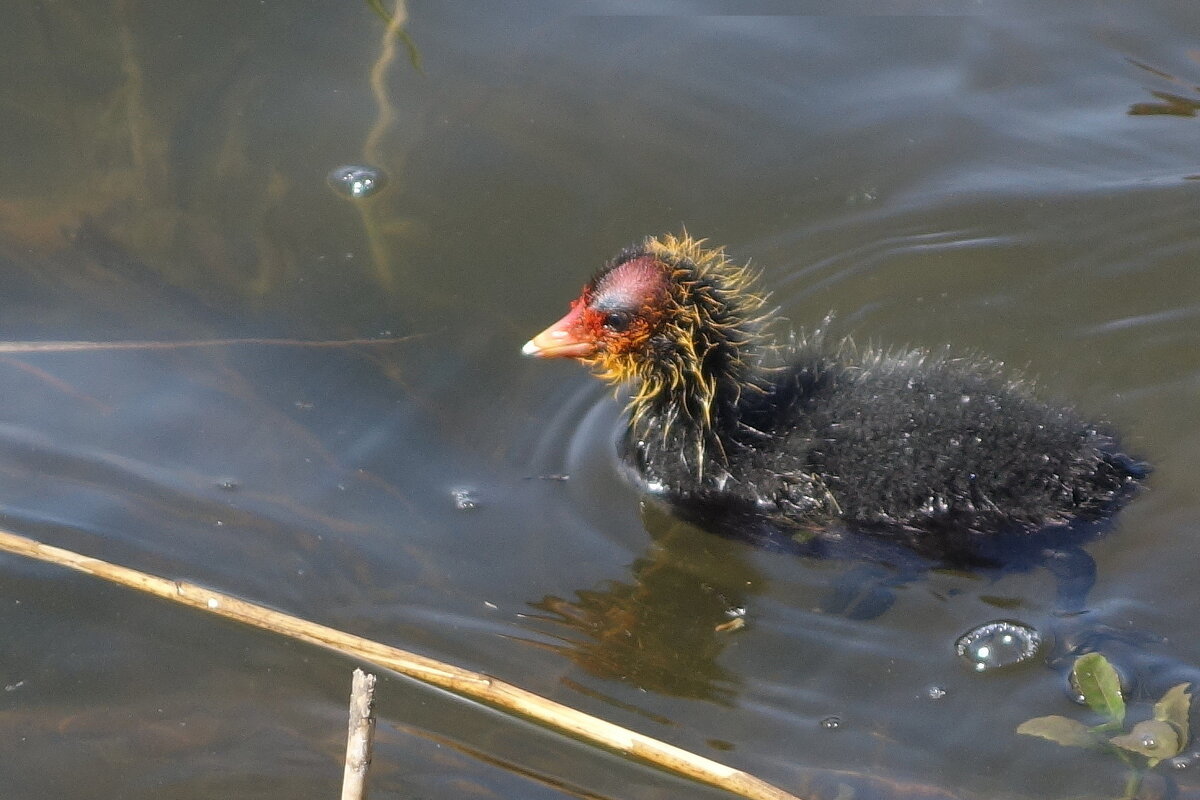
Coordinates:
664	629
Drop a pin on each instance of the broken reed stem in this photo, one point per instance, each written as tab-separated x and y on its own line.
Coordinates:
473	685
361	739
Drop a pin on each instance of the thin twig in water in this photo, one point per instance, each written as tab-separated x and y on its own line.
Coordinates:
75	347
472	685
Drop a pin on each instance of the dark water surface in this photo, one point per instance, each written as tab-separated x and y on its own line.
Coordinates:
1021	183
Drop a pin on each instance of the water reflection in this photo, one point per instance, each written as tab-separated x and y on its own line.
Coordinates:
664	628
150	166
1168	103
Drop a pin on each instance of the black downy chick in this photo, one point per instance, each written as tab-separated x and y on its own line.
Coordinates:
939	453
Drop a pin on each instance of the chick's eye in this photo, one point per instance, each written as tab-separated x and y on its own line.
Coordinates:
617	321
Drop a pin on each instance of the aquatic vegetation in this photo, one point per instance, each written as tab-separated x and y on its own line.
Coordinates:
382	228
1142	747
187	179
395	21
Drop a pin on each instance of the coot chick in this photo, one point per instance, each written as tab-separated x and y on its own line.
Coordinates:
816	436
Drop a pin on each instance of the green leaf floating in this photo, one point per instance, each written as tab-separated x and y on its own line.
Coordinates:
1100	686
1156	739
1173	709
1153	738
1063	730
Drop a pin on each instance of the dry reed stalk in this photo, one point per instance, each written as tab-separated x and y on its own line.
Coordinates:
473	685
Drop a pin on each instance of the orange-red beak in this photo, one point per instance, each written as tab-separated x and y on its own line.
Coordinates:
567	338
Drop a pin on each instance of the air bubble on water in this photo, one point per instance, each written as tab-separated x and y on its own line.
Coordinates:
464	499
997	644
831	723
356	181
935	692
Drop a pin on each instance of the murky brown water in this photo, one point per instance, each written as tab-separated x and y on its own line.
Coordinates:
1021	183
